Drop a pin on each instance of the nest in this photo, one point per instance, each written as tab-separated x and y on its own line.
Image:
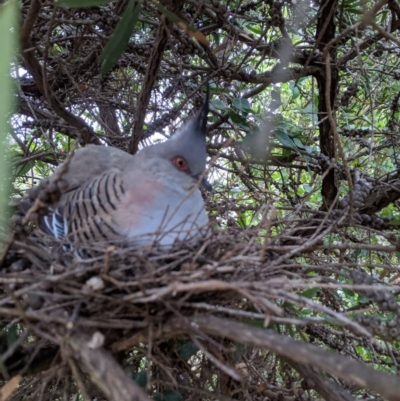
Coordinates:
190	323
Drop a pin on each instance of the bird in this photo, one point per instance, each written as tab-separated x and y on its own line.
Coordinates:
149	198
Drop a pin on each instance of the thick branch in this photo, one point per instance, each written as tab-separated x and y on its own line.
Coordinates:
103	371
157	53
327	88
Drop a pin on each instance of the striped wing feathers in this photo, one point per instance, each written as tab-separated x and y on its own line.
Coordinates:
86	214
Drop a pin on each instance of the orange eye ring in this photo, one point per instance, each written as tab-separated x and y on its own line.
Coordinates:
180	163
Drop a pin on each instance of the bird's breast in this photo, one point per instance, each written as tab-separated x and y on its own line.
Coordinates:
152	211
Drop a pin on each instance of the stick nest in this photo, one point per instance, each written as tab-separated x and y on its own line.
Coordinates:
187	323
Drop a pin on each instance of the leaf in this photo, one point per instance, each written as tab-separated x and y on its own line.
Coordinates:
12	335
187	350
241	104
242	220
217	104
284	139
288	140
276	101
9	387
24	168
298	143
141	378
255	29
236	118
355	11
348	292
216	37
239	121
310	293
306	312
189	29
120	38
218	90
308	188
295	90
80	3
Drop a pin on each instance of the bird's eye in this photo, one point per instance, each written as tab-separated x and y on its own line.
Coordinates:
180	163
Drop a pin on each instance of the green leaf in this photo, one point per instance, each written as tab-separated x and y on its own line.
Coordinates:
168	395
276	101
362	299
295	90
255	29
284	138
80	3
288	140
23	168
120	38
187	350
141	378
355	11
216	37
241	122
241	104
242	220
310	292
236	118
12	335
217	104
348	292
218	90
297	142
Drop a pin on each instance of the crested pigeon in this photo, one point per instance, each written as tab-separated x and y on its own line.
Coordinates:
150	197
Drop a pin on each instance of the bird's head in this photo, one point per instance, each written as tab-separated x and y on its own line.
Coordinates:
186	150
